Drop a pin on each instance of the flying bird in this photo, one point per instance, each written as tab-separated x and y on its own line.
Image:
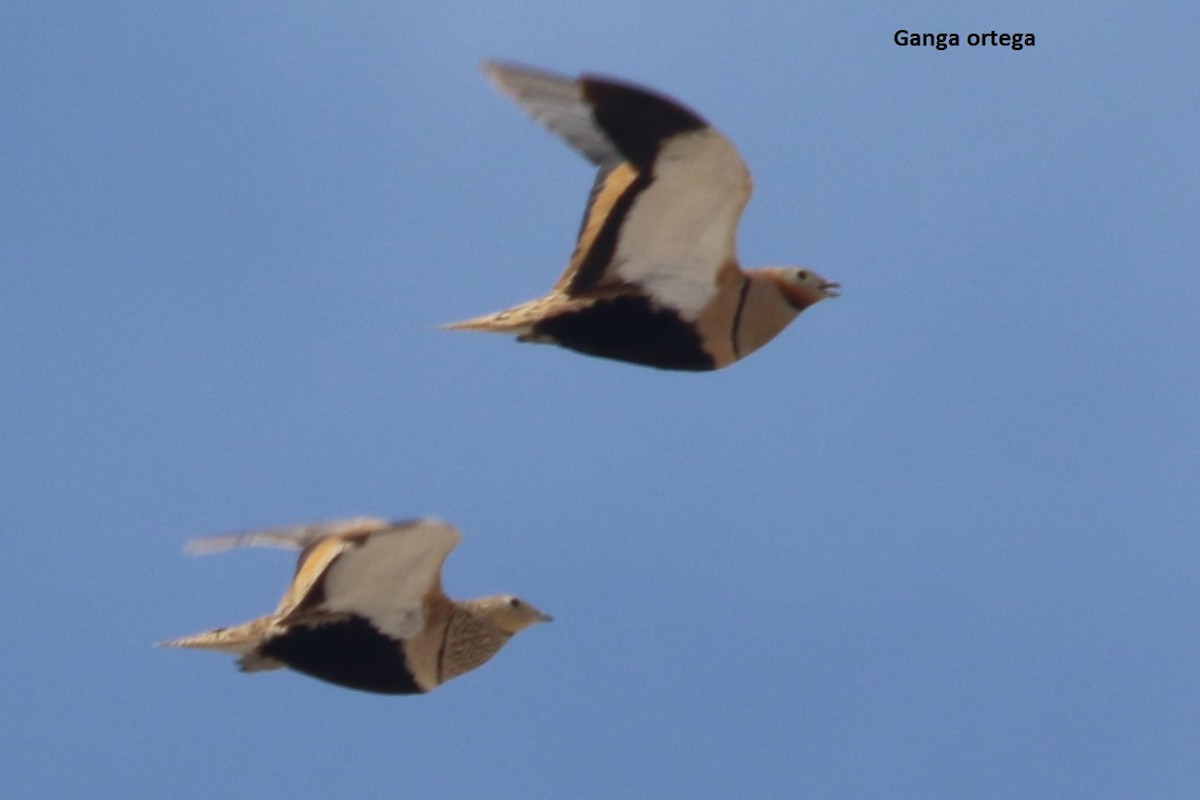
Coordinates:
365	609
654	278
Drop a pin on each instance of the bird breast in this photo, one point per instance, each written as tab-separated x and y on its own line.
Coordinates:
471	640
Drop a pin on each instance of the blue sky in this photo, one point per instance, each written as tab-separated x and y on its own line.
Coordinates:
938	539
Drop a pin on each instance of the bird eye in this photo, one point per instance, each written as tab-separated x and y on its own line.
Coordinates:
514	603
802	275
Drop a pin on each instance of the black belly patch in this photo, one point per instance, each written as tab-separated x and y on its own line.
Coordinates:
629	328
351	653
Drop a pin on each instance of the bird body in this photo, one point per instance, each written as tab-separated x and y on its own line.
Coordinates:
366	610
654	277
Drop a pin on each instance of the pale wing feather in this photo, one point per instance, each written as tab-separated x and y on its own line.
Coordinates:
387	576
402	563
681	231
291	537
558	103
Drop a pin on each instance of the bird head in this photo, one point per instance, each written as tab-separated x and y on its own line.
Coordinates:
802	287
512	614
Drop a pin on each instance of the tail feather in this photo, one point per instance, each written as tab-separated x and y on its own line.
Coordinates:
500	322
239	640
520	319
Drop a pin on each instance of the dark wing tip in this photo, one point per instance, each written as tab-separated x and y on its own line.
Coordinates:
638	120
634	119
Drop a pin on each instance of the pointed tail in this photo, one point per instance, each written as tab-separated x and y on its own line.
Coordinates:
239	640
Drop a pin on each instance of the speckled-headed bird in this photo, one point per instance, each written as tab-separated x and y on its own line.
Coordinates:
365	609
654	278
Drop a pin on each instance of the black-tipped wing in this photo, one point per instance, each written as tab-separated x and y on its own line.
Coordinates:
664	209
372	568
558	103
607	120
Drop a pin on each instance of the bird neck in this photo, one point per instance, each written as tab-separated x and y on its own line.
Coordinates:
766	311
472	637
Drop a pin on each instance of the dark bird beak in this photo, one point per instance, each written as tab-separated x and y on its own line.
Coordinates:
831	289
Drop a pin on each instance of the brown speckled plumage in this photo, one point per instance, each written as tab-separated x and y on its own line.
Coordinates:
472	637
654	277
366	610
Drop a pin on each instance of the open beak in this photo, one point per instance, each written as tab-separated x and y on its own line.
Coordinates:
831	289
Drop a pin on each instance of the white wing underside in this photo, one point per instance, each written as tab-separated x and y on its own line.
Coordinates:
385	576
682	229
388	577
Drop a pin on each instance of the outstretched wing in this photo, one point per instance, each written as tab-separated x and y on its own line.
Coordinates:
372	568
385	576
664	209
291	537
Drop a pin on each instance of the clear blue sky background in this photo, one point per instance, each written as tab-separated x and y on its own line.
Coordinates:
939	539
